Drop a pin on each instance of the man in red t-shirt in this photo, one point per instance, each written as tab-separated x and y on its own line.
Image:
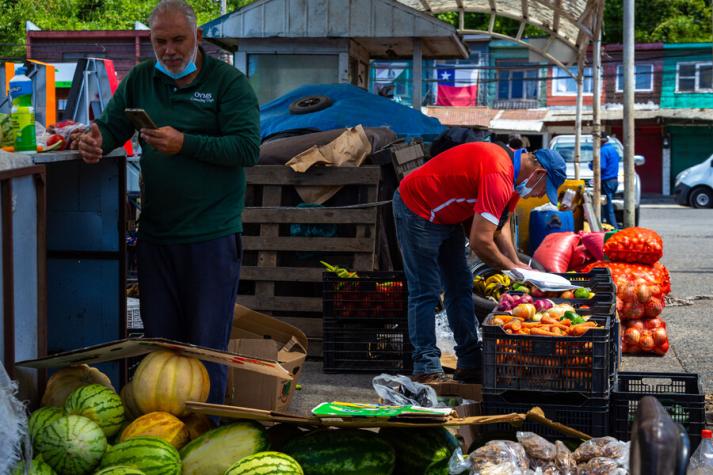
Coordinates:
478	180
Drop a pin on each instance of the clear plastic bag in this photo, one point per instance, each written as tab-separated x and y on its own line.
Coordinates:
601	466
592	448
499	455
619	452
564	459
399	390
445	341
544	467
14	439
536	446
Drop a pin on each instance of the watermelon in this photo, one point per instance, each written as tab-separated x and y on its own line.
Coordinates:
419	449
151	455
279	434
72	445
119	470
266	462
215	451
37	467
342	452
42	418
98	403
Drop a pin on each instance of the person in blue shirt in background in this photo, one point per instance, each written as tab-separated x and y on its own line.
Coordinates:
609	162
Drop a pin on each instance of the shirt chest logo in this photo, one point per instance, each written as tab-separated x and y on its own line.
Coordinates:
203	97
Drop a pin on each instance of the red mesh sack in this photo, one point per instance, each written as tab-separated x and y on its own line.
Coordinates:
580	258
644	336
634	245
594	242
556	251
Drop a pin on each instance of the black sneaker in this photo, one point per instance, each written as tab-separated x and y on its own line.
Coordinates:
469	375
429	378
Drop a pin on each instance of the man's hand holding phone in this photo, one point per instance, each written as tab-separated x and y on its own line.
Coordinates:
164	139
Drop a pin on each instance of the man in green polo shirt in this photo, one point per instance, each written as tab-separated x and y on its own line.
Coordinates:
189	248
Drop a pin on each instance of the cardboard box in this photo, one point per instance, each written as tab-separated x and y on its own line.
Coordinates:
263	337
471	392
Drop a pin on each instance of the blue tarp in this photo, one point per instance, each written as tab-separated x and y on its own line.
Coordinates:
351	106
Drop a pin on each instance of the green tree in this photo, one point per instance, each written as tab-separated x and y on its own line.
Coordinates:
84	15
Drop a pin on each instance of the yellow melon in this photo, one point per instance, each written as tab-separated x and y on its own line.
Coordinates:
164	381
158	424
131	410
197	424
66	380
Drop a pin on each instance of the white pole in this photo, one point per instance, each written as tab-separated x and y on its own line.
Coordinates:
629	204
578	121
597	126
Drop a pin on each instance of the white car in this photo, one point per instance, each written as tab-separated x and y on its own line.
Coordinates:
694	185
564	144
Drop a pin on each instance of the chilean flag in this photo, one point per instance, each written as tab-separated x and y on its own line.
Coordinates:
456	87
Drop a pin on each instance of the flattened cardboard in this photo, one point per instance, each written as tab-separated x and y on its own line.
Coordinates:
472	392
261	336
131	347
233	412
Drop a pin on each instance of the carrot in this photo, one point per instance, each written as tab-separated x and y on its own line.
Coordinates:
581	329
505	318
531	324
548	320
515	325
541	332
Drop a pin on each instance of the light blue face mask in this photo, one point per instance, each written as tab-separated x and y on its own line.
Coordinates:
189	69
523	190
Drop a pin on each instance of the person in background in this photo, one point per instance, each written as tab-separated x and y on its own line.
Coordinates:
609	164
517	141
478	180
189	247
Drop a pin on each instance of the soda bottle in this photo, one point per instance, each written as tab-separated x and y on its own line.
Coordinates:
23	114
702	459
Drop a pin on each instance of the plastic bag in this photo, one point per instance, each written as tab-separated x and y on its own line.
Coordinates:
644	336
635	245
600	466
536	446
445	341
14	439
544	467
399	390
592	448
499	455
565	460
580	258
594	242
555	251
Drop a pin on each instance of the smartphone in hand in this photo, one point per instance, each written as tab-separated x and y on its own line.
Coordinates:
140	119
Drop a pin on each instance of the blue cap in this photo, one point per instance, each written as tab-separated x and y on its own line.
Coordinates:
553	162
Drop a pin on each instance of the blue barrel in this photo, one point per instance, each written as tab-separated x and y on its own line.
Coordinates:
544	222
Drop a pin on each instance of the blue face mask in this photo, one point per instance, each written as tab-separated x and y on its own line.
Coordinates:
523	190
189	69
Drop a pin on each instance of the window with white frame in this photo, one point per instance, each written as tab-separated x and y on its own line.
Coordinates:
643	78
518	84
564	85
694	77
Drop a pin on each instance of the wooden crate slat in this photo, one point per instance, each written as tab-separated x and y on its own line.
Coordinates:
259	215
272	195
315	176
282	274
263	303
288	243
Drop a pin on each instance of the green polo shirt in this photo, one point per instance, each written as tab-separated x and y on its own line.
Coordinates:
198	194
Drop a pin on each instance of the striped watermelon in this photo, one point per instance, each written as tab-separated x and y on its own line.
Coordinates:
42	418
151	455
342	452
266	463
119	470
72	445
419	449
438	468
215	451
37	467
98	403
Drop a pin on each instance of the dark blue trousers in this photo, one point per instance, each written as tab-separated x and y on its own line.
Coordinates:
188	293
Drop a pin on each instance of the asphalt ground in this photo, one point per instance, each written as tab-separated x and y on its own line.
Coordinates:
688	254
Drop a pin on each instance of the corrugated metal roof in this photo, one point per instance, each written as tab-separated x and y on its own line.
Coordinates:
574	23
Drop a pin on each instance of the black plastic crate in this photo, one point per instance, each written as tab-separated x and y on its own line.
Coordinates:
371	295
679	393
588	415
548	364
366	346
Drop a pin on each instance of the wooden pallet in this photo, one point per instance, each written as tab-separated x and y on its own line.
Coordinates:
281	274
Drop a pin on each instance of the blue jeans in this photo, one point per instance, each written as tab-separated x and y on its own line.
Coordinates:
188	294
434	259
609	188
